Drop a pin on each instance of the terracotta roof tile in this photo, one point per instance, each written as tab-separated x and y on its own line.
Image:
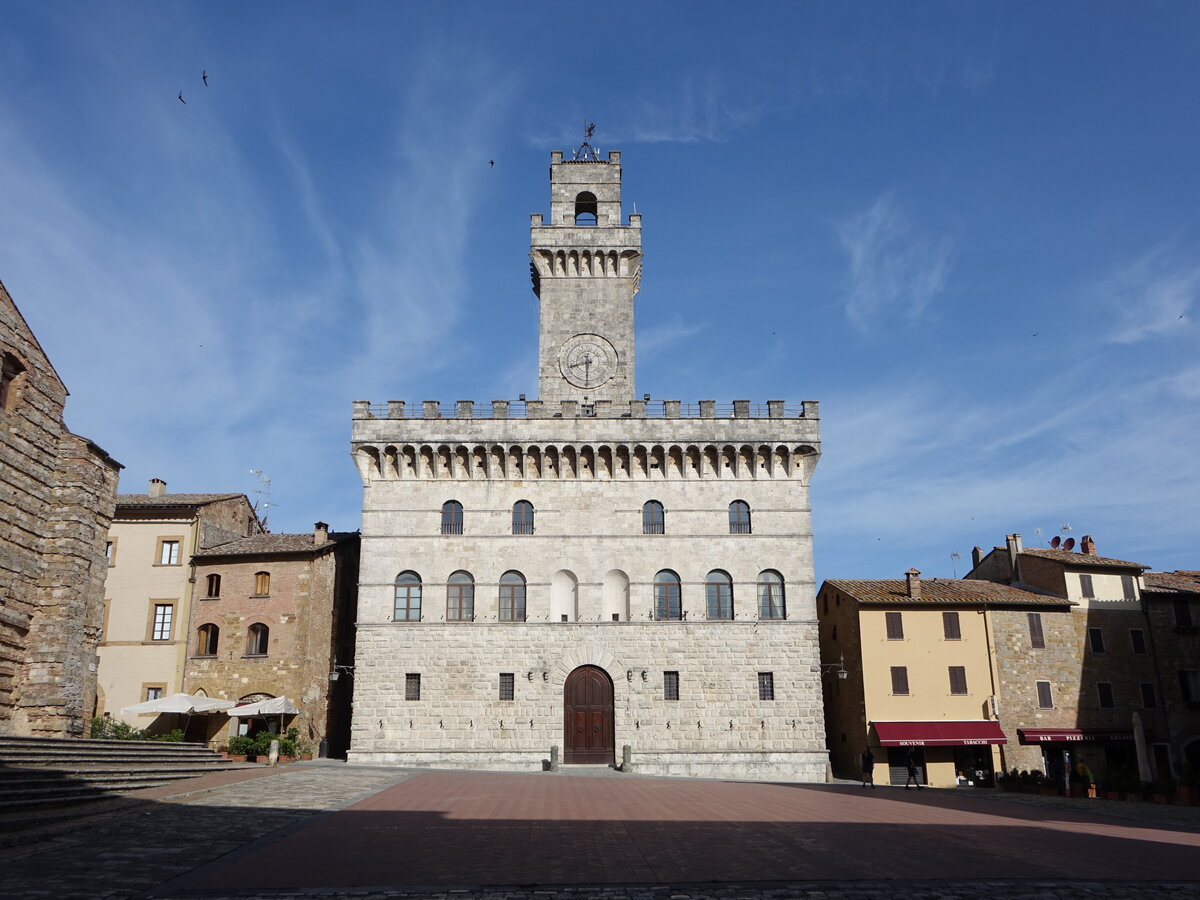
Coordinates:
266	544
1081	559
944	590
145	500
1171	582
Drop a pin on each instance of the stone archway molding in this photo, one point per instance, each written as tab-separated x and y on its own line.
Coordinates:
585	655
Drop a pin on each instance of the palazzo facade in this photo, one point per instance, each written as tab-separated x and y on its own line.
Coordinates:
588	571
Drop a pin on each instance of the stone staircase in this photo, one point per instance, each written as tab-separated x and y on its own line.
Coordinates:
44	779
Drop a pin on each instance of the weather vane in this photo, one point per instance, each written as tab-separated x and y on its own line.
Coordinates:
586	151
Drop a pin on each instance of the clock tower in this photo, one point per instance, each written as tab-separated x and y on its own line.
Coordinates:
586	265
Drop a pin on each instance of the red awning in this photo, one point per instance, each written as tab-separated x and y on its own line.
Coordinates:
1079	735
938	734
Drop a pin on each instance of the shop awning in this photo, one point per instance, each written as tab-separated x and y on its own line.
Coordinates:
275	706
938	734
1079	735
185	704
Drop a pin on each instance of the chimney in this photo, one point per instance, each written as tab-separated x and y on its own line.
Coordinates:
1087	546
320	533
1014	548
976	557
913	577
158	487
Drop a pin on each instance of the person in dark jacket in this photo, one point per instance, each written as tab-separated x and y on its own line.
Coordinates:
910	765
868	767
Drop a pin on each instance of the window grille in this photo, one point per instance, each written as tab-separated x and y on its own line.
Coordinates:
412	686
507	685
452	517
670	685
766	685
653	518
739	517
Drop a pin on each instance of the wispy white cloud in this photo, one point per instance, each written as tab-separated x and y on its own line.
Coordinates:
673	331
896	270
1152	296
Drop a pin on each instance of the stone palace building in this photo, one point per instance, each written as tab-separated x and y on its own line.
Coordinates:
588	570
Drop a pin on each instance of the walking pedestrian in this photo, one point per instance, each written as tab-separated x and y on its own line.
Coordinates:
868	767
910	765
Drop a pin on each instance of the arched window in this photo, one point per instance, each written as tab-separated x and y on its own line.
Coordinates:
653	521
668	601
522	517
262	584
586	208
451	517
206	640
460	598
739	517
408	598
718	591
213	583
256	639
770	595
512	597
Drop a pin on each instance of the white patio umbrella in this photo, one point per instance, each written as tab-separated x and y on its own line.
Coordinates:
274	706
177	703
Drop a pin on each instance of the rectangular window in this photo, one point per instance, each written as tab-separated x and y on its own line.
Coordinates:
1045	699
1183	613
168	551
154	692
507	685
161	629
110	552
412	686
1085	587
895	626
670	685
958	679
1128	587
1149	697
1137	640
766	685
900	680
1096	640
1037	640
1104	693
262	584
950	627
1189	684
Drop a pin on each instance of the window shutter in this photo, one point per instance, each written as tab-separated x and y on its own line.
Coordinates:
1036	639
958	679
899	679
950	626
895	626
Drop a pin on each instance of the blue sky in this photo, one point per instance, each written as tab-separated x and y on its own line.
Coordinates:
968	229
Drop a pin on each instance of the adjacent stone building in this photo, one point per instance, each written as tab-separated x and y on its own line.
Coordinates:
274	618
1078	693
588	570
56	500
1171	601
151	585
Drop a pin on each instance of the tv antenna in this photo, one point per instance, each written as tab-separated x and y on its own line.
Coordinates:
954	557
264	492
1065	527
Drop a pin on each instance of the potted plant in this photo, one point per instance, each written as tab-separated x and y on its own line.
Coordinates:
241	748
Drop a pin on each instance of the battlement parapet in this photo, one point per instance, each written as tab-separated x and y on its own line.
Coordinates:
574	409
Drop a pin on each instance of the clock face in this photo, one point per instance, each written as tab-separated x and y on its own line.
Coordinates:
587	360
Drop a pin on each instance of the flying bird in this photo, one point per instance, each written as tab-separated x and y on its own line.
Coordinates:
181	100
492	164
204	77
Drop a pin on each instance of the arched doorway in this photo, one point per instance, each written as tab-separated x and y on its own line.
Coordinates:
588	734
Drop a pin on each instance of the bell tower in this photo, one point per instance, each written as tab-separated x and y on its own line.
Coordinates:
586	266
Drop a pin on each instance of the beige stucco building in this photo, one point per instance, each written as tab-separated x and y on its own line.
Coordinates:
589	570
151	586
926	665
56	500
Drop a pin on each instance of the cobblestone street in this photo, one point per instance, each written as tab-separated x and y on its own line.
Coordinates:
336	831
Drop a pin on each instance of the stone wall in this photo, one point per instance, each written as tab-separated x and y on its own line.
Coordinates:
717	728
55	504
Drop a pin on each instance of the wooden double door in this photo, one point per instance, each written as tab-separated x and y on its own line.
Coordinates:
588	717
